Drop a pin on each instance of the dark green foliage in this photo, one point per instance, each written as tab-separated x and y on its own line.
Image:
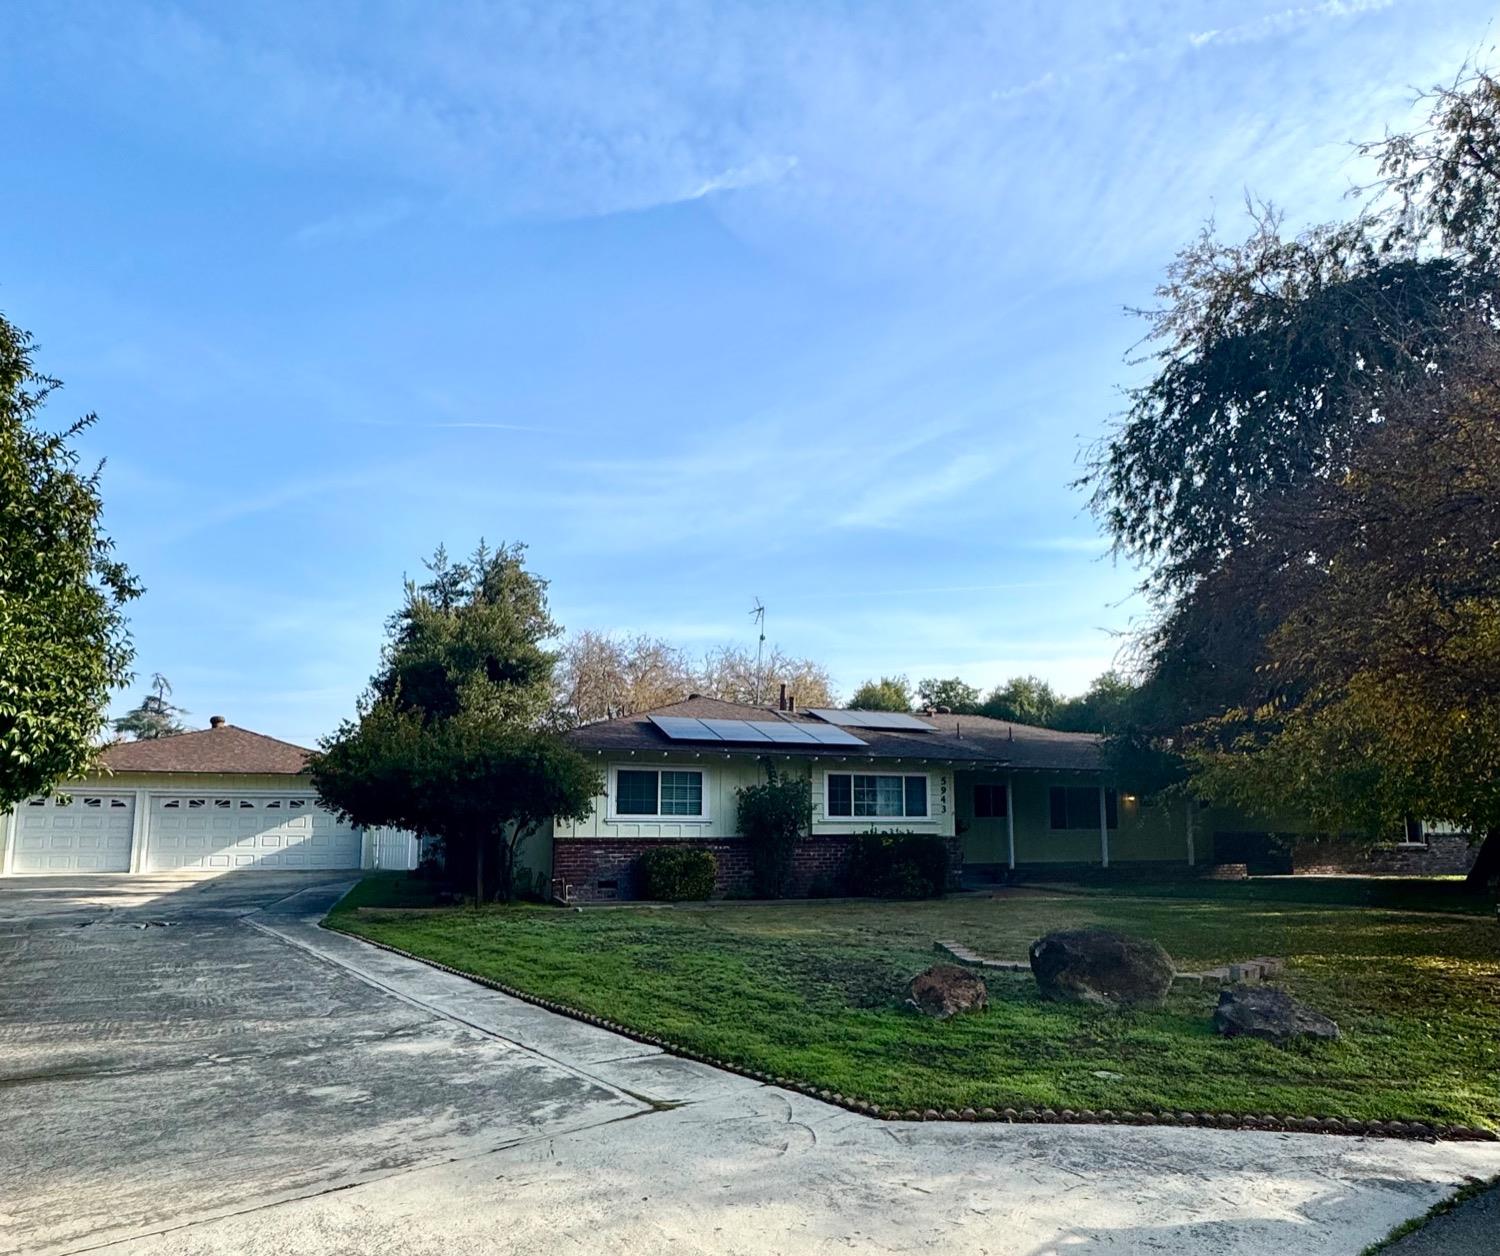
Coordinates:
63	640
1023	700
773	818
449	742
156	716
1310	475
1271	358
889	693
953	694
1108	706
898	865
676	874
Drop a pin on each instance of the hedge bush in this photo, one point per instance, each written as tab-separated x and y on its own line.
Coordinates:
898	865
675	874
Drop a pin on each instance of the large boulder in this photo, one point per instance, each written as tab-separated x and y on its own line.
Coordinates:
1101	966
1265	1012
945	990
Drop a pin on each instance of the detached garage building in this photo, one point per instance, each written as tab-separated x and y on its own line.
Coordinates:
212	801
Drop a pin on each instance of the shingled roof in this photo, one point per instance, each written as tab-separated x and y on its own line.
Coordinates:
221	749
961	739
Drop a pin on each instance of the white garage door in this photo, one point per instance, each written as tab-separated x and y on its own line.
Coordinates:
79	833
210	832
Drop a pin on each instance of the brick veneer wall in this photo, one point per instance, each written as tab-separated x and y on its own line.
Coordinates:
1444	854
588	865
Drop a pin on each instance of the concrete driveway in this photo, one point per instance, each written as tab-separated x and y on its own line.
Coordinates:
195	1067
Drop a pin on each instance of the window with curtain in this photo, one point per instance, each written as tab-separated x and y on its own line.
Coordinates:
861	795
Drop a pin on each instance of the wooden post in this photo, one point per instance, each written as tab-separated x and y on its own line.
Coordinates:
1010	817
1103	829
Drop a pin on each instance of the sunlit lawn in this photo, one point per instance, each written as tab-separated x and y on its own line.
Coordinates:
816	991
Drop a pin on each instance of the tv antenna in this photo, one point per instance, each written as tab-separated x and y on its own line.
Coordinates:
758	614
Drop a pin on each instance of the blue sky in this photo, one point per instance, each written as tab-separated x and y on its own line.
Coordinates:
815	303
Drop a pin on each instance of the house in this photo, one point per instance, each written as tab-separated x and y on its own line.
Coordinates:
218	800
1002	796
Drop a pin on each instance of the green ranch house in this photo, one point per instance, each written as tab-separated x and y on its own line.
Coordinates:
1004	796
1009	799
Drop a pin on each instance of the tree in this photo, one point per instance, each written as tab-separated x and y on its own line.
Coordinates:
1108	706
63	640
1023	700
889	693
155	716
450	739
601	676
730	674
1388	656
1304	476
1441	185
952	694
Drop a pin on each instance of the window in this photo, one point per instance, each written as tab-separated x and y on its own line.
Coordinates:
273	805
666	793
197	804
246	805
93	802
990	802
1413	834
117	802
1077	807
172	804
859	795
221	804
296	804
37	802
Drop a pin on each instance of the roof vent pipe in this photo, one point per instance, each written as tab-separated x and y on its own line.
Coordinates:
216	721
781	701
791	702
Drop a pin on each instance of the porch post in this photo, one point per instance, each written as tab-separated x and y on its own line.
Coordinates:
1103	830
1010	818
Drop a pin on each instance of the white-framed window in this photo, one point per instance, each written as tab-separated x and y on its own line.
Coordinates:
665	793
877	796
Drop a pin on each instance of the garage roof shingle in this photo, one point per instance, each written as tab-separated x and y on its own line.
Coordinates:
224	749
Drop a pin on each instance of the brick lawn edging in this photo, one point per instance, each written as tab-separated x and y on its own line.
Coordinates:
1016	1116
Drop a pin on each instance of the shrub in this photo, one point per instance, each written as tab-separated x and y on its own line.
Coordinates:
898	865
674	874
773	818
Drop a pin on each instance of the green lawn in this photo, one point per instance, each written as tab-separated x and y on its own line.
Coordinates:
816	991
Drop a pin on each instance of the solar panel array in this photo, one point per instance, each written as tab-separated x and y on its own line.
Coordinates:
754	732
892	720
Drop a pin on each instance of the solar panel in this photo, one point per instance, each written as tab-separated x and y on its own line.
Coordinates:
767	732
735	730
833	736
681	728
788	734
893	720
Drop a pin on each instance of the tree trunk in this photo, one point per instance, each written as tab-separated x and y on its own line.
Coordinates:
478	874
1486	863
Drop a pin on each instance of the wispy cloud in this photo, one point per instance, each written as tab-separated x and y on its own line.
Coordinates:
355	224
587	109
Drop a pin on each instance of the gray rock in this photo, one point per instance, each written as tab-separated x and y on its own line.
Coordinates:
1101	966
945	990
1269	1013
